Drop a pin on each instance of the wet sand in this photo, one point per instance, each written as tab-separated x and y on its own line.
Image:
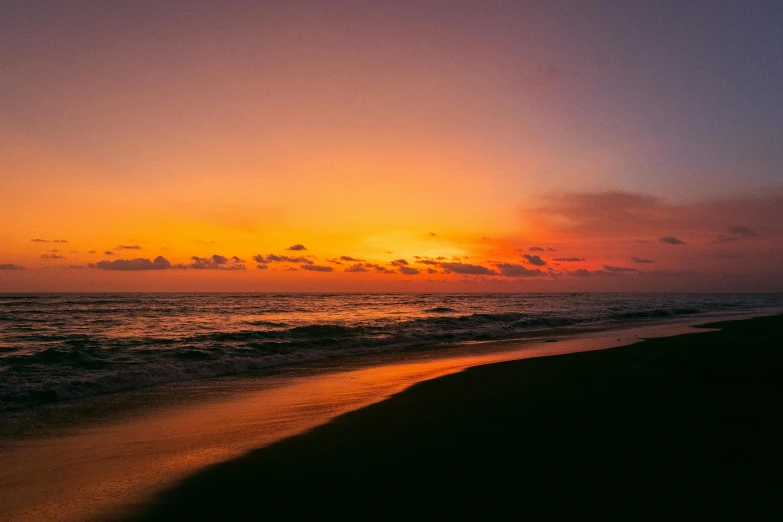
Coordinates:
686	426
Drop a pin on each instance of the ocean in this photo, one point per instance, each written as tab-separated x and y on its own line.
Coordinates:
64	346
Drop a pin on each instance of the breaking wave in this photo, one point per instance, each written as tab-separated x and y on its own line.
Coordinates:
56	347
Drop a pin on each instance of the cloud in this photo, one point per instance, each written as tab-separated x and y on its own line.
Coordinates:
273	258
432	234
400	262
534	260
379	268
367	267
335	261
356	268
159	263
351	259
628	215
297	247
108	253
568	259
736	233
52	256
428	262
317	268
514	270
408	270
670	240
617	270
128	247
741	231
217	262
432	271
49	240
467	269
581	272
262	266
10	266
92	252
640	260
536	249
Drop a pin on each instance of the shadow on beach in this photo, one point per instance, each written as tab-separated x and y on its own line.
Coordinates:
681	426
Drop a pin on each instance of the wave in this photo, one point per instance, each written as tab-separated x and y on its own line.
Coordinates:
55	348
658	312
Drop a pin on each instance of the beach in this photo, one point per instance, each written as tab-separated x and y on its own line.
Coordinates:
677	426
401	425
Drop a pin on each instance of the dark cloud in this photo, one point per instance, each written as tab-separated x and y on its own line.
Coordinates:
736	233
204	242
297	247
159	263
366	267
670	240
741	231
568	259
49	240
92	252
432	234
580	273
409	270
514	270
291	269
52	256
467	269
273	258
642	261
379	268
536	249
11	266
400	262
618	270
357	268
317	268
335	261
128	247
351	259
432	271
550	249
428	262
217	262
262	266
108	253
534	260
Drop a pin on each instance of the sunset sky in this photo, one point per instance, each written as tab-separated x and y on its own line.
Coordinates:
391	146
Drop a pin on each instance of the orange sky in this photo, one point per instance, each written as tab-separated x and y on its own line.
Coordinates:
465	137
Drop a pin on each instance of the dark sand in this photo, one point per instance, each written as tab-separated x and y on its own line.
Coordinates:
680	426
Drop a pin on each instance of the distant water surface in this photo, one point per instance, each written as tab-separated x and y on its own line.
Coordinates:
58	346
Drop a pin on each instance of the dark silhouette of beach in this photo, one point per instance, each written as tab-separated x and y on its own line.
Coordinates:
686	426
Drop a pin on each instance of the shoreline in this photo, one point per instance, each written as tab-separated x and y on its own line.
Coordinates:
78	411
300	403
687	425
